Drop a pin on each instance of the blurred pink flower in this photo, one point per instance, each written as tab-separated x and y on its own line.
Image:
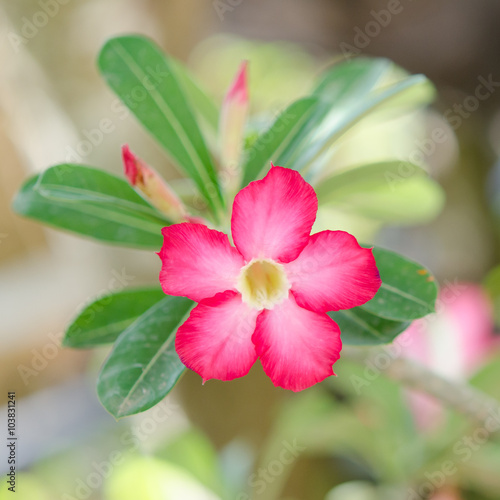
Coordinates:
267	297
454	342
446	494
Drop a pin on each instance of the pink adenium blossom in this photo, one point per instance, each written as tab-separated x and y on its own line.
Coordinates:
455	342
267	296
447	493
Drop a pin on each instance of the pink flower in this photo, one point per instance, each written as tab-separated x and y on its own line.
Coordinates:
267	297
447	493
455	342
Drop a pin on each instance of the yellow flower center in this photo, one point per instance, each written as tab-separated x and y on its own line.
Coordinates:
263	283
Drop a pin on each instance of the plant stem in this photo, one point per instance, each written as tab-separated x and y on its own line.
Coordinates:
463	398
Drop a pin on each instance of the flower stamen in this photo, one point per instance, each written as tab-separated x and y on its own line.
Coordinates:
263	283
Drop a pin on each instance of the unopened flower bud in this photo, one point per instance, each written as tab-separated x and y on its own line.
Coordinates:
154	187
232	128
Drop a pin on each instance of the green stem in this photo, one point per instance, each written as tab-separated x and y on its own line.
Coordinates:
469	401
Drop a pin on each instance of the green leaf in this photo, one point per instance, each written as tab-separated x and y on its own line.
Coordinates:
145	477
359	327
93	203
408	290
202	105
143	366
344	117
492	287
420	94
389	191
346	182
277	138
343	84
350	80
194	452
415	201
148	83
105	319
487	376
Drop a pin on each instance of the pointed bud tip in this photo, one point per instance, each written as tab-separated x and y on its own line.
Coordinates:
239	88
129	164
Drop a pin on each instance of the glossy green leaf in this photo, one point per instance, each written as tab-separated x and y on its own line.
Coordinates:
408	290
415	201
346	182
92	203
277	138
350	80
105	319
420	94
359	327
143	366
390	191
202	105
343	83
148	83
344	117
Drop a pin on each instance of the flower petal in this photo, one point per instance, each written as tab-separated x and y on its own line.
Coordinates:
272	218
333	272
297	347
215	341
197	262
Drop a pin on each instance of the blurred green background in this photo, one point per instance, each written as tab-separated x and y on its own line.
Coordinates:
246	439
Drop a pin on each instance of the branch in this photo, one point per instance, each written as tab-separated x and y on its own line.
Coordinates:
467	400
